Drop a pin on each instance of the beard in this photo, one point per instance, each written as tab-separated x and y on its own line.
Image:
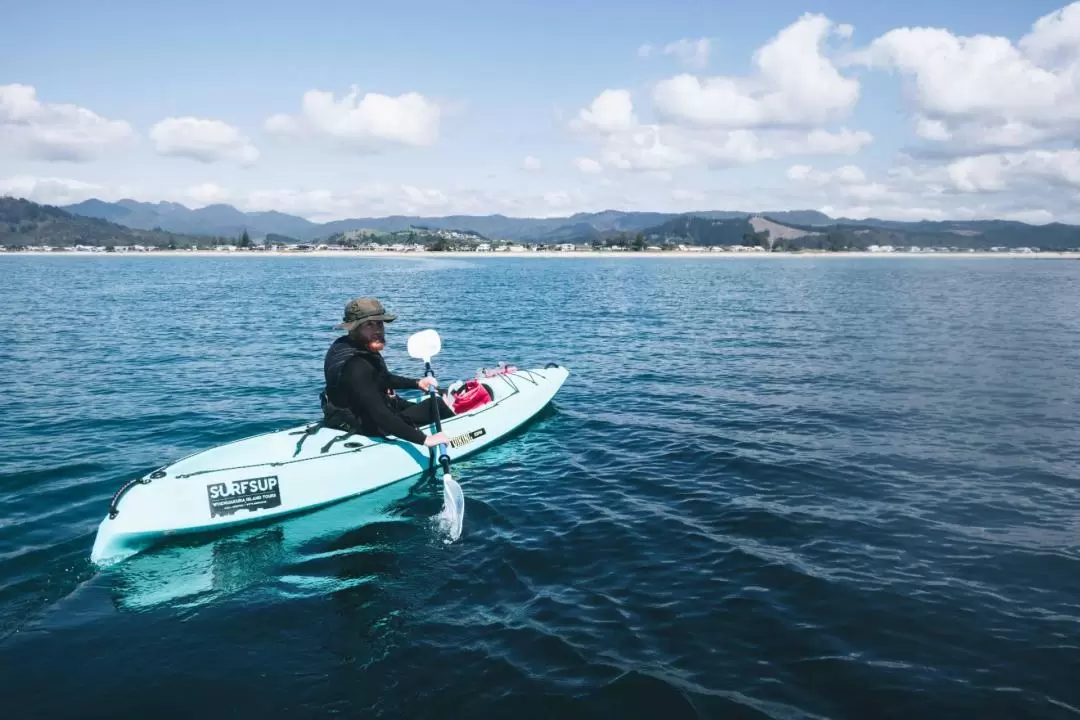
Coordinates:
376	344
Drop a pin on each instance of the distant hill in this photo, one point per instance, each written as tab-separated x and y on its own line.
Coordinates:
959	235
805	228
214	220
24	223
767	231
701	231
227	221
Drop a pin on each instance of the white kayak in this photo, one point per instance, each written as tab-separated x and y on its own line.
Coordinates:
266	476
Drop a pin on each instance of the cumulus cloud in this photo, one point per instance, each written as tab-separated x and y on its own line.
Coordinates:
206	141
627	144
787	107
611	111
588	165
794	84
366	123
1013	171
977	93
55	131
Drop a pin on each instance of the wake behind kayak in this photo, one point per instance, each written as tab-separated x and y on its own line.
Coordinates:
279	473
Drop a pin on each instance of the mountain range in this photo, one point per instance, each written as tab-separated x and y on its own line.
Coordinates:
127	221
227	221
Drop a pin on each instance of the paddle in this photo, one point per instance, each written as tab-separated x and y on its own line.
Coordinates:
424	345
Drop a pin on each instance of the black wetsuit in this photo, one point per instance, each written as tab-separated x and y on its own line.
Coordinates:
358	396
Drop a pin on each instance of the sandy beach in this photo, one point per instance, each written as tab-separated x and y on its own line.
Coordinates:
681	255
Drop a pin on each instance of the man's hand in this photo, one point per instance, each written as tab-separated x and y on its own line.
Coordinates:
436	439
426	383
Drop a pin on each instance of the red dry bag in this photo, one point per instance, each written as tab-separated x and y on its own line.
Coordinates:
471	394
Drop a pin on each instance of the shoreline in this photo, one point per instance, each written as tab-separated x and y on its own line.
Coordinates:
548	254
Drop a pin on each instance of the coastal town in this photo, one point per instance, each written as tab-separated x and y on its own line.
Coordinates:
506	248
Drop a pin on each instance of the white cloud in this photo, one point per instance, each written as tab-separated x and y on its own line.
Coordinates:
693	53
531	163
1012	171
1032	186
588	165
55	131
611	111
795	84
557	199
982	92
365	123
203	140
627	144
50	190
688	51
848	182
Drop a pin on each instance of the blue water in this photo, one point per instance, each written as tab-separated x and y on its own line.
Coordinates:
783	488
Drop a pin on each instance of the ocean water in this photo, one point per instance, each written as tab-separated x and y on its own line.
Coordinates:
770	488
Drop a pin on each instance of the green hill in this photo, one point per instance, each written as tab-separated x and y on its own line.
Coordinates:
851	235
24	223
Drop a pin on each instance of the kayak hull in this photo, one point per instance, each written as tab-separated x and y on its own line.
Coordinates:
276	474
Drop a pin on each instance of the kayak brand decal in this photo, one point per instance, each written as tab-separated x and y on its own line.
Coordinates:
467	438
261	493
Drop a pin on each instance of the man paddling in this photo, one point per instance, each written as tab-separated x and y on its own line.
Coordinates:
359	393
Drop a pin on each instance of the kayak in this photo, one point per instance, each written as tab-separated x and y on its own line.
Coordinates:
280	473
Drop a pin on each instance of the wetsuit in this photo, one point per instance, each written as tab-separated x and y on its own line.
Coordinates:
358	396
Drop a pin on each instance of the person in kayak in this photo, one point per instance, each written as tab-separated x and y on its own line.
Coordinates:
359	392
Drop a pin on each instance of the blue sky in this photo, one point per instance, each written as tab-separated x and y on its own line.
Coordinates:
496	83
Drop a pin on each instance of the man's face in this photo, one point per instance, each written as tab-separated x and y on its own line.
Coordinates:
374	334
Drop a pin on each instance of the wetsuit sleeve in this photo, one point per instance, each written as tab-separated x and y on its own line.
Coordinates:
364	393
400	382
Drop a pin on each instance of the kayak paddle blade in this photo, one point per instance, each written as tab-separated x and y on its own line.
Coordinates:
424	345
453	513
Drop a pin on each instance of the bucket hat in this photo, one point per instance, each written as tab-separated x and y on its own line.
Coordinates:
360	310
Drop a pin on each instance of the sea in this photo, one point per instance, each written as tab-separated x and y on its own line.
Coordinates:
770	488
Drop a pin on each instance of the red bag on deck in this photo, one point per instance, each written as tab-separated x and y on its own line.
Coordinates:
471	394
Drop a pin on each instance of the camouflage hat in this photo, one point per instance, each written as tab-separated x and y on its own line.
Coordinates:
360	310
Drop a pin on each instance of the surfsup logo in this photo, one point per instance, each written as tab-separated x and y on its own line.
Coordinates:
456	442
261	493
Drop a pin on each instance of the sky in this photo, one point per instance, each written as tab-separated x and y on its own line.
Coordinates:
328	110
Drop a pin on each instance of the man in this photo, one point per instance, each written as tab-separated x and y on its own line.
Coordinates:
359	388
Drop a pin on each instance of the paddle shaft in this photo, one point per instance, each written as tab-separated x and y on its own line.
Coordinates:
444	458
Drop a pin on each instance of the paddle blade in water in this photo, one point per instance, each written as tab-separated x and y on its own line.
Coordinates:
453	513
